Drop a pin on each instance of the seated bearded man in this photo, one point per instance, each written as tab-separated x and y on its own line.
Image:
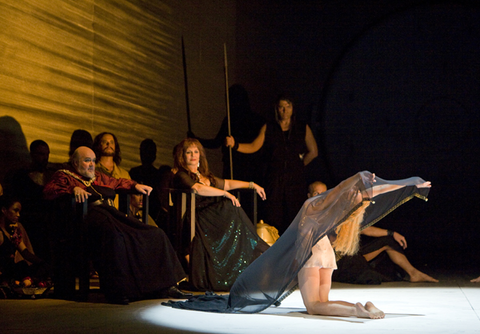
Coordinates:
134	260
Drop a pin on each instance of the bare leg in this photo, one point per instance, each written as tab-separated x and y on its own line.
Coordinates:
402	261
325	284
316	302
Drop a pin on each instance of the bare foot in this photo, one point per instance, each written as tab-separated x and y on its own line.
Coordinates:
378	314
475	280
363	312
422	277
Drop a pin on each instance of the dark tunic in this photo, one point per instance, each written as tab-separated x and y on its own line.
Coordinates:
285	183
133	259
225	241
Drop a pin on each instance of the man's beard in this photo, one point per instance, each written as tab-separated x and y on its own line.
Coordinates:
109	153
90	174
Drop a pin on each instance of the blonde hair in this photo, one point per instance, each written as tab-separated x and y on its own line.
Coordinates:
348	233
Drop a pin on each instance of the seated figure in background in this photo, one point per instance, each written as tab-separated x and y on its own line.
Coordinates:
108	154
27	185
107	151
147	173
133	260
19	266
136	209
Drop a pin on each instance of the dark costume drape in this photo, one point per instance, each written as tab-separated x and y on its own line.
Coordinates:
272	275
285	181
133	259
225	241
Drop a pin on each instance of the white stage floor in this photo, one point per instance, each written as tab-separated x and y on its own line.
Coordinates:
451	306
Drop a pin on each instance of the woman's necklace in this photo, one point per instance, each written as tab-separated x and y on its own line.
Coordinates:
199	177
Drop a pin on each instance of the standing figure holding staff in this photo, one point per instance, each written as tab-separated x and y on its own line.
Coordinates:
289	146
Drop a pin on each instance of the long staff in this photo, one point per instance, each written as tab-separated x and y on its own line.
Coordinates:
228	106
186	87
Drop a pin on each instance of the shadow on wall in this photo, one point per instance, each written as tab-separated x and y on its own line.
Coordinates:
13	146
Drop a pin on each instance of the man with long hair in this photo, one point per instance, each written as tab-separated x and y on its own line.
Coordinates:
107	151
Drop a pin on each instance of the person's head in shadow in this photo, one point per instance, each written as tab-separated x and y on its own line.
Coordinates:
148	152
316	188
13	146
239	101
39	153
80	138
284	110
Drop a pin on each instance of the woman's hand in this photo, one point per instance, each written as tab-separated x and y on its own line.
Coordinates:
143	189
260	191
81	195
229	141
427	184
234	200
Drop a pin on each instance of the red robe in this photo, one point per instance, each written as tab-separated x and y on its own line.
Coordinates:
63	183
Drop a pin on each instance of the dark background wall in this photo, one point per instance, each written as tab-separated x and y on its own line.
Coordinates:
388	86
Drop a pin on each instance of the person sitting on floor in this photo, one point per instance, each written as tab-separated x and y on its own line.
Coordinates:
19	266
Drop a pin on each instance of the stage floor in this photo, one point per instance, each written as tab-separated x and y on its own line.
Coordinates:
451	306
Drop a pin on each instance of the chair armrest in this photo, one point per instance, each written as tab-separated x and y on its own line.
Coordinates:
185	199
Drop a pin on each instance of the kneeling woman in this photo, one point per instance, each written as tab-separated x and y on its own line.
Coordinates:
225	241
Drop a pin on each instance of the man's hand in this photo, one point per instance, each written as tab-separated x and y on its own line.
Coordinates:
400	239
143	189
81	195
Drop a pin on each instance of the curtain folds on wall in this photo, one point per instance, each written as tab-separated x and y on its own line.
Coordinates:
98	65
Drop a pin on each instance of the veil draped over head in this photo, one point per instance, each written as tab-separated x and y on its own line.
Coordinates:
270	277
